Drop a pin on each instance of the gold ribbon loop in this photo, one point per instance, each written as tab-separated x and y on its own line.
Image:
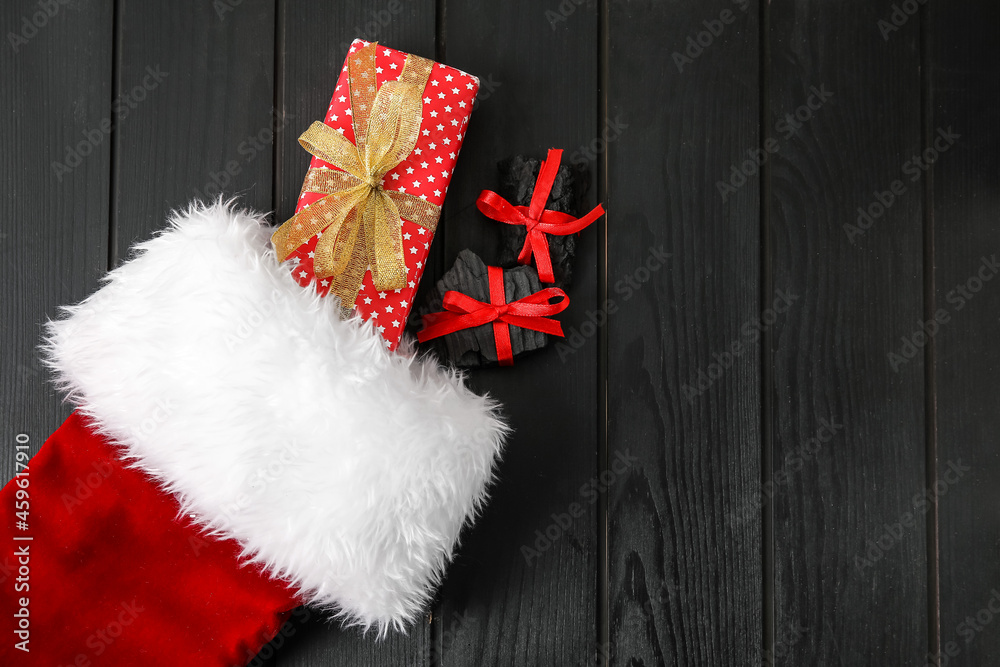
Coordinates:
331	146
359	220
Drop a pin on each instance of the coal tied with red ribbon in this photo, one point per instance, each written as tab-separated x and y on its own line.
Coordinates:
492	314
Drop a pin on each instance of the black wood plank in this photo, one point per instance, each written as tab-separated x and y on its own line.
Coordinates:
195	116
685	579
55	92
196	88
849	533
965	98
312	44
512	598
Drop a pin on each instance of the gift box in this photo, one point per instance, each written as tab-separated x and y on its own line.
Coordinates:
382	161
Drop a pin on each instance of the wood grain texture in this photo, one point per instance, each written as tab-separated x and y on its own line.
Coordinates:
685	579
195	93
197	85
195	108
313	43
850	568
502	603
55	92
965	96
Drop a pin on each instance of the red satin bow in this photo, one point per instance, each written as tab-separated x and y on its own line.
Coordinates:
536	219
464	312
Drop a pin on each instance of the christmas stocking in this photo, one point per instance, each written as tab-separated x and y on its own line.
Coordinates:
237	450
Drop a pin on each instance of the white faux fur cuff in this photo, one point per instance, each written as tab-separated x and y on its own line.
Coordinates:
343	468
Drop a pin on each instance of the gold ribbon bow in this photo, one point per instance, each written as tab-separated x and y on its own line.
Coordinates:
359	219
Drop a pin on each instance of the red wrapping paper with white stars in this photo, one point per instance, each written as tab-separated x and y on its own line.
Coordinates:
426	172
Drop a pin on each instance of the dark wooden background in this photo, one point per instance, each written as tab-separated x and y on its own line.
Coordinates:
733	537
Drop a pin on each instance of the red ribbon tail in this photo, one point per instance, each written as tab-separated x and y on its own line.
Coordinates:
525	256
597	212
440	324
497	208
461	312
544	324
543	261
501	331
505	351
543	184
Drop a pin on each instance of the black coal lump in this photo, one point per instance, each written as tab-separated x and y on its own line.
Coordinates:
517	183
474	347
